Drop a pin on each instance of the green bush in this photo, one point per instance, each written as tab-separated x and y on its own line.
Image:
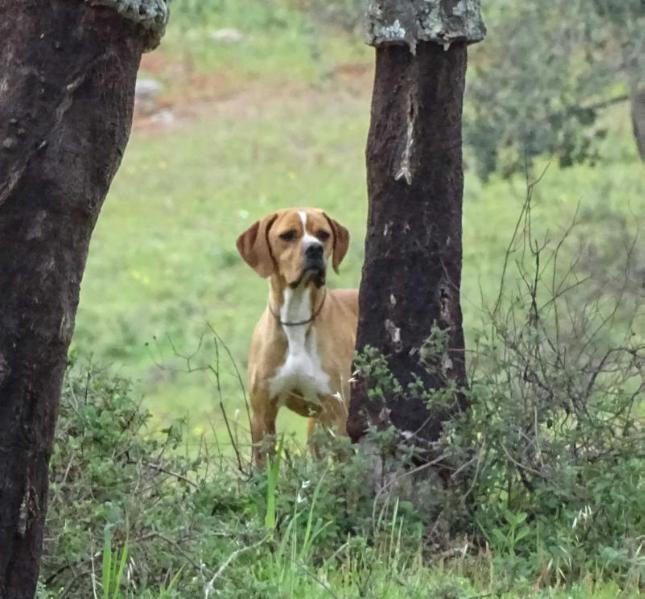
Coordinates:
110	473
541	82
169	522
545	467
132	514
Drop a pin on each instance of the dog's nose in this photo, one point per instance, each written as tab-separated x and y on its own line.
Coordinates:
314	251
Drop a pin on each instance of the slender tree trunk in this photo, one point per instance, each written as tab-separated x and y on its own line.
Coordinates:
628	25
67	75
412	271
637	104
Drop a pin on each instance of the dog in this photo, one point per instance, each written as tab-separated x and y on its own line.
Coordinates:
302	346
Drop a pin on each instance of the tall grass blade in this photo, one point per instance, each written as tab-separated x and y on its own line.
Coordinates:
106	568
273	475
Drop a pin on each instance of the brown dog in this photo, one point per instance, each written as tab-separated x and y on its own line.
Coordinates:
301	350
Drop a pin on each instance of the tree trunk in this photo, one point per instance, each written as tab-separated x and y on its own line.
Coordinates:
628	24
67	75
412	270
637	103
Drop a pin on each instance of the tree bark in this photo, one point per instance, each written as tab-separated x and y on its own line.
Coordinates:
411	276
67	75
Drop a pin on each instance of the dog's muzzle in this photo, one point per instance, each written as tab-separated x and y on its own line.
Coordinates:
314	268
314	258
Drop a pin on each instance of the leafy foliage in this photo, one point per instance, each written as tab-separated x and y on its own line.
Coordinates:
545	467
543	77
134	515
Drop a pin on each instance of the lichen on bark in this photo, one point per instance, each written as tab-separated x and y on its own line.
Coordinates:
151	15
411	21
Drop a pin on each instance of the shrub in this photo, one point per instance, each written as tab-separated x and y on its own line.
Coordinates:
109	472
172	522
545	465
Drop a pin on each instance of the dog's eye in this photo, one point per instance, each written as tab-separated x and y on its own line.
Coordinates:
289	235
322	235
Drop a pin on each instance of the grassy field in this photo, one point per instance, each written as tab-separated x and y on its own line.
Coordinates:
277	120
280	119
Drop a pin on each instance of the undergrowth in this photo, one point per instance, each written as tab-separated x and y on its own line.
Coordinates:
133	515
544	498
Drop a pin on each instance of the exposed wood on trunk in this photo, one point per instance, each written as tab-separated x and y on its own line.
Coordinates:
67	75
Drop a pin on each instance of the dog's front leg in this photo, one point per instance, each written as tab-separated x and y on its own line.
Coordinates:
263	417
332	418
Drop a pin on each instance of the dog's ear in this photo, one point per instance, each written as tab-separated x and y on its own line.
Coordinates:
253	246
341	241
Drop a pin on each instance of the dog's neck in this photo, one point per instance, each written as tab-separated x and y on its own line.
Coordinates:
294	305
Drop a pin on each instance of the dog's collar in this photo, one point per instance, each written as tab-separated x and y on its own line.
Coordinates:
301	322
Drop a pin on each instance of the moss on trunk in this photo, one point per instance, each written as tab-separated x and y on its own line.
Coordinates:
411	21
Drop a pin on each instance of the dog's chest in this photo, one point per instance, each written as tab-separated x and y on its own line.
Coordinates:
301	372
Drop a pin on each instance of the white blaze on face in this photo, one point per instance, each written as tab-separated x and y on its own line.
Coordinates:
307	238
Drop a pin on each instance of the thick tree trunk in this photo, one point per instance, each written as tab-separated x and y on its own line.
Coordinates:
67	75
412	270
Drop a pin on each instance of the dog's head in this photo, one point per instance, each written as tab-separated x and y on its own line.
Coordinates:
294	244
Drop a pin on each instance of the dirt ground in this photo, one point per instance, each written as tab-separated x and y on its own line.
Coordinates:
189	94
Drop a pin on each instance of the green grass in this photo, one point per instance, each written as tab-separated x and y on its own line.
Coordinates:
133	515
163	265
279	41
163	261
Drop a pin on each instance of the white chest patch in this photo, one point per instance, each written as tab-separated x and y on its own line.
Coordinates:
301	373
